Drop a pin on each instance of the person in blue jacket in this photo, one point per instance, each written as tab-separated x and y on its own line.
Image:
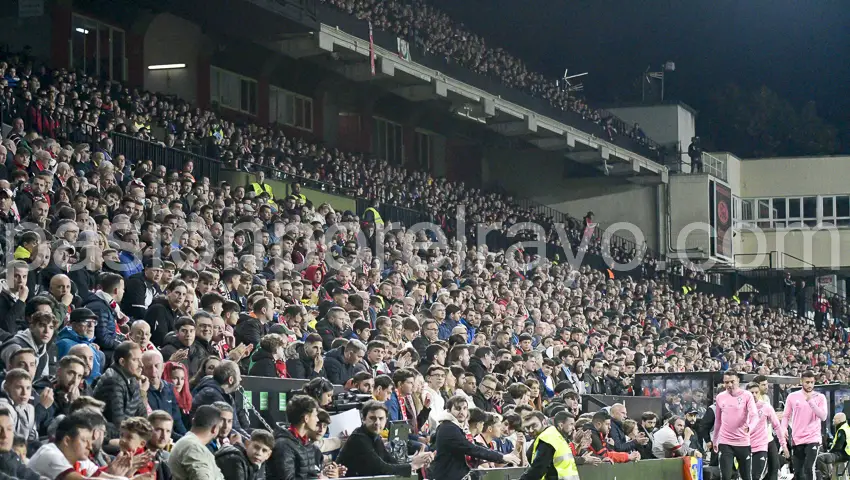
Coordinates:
80	331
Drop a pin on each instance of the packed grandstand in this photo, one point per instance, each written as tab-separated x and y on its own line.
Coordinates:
138	294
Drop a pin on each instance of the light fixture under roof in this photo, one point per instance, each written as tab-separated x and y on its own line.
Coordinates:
167	66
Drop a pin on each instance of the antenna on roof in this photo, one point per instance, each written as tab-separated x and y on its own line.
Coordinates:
568	85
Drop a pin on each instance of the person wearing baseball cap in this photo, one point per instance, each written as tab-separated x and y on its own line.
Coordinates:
80	331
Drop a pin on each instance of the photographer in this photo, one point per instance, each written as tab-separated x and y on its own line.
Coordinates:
364	454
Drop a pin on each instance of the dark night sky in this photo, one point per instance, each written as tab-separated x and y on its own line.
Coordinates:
799	48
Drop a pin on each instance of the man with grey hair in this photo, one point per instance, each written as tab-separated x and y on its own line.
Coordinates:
161	394
340	362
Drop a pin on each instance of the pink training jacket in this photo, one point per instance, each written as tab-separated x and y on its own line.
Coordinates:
805	417
759	436
734	415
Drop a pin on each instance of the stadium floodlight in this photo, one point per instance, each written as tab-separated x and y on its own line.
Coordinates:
82	30
167	66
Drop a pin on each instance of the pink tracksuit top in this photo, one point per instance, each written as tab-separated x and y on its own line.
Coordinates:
805	417
734	415
759	435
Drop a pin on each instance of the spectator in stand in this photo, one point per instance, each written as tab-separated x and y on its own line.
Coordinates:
122	385
36	337
220	387
105	304
161	394
340	362
293	455
309	362
270	359
190	459
243	462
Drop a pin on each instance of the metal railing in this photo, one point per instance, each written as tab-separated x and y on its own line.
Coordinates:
137	149
714	166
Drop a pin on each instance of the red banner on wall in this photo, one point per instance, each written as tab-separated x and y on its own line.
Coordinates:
723	220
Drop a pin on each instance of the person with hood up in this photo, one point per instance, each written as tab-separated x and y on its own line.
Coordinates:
36	337
309	362
80	331
269	359
315	274
341	363
453	447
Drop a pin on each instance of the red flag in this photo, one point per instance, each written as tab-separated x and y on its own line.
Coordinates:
371	48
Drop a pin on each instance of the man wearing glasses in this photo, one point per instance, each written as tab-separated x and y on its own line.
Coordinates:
80	331
485	395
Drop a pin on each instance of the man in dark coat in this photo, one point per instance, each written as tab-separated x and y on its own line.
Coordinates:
243	462
364	453
119	387
332	327
142	288
294	455
251	328
481	363
340	363
594	384
309	363
163	311
104	304
220	387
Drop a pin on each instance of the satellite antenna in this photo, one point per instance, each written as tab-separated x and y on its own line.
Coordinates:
568	85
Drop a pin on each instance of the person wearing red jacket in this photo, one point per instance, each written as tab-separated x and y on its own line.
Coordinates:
599	429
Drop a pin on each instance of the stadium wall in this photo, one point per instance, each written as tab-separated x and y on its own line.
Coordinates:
538	176
170	39
790	176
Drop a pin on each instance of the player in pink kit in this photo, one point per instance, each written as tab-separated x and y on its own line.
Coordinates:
735	417
760	436
805	409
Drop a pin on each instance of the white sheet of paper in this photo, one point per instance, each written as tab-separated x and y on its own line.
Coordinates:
344	422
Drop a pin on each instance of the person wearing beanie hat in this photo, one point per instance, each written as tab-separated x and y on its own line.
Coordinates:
80	331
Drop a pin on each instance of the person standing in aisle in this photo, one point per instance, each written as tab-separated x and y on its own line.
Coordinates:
805	409
735	417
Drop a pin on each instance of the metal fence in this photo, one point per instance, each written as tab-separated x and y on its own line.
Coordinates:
137	149
714	166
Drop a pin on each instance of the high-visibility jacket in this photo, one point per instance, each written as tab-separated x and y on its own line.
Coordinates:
260	188
846	429
564	462
375	215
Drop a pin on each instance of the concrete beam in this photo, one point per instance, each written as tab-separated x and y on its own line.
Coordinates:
588	157
417	93
301	47
512	129
488	106
440	87
552	143
362	72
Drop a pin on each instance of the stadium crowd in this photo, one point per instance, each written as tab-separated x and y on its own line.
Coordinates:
435	33
136	298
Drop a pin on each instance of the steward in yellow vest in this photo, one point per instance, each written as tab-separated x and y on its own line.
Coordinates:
552	452
260	186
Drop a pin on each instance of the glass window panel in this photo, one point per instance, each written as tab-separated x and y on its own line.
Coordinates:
299	112
780	224
764	208
842	206
828	222
747	210
828	206
308	114
844	222
793	208
779	208
810	207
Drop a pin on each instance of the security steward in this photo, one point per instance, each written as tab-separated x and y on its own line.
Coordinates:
551	454
371	214
260	186
839	450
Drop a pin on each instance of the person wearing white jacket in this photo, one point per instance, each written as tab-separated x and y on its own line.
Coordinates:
17	390
432	394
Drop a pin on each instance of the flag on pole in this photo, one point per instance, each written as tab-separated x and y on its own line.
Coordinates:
371	48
